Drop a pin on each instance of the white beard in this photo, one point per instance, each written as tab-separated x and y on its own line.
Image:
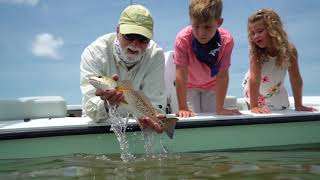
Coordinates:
128	58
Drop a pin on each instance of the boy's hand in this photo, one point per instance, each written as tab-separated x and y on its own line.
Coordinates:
224	111
185	113
260	110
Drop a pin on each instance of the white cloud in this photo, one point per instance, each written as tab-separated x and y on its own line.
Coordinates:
26	2
46	45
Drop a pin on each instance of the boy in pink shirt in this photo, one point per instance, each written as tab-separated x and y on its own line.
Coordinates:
202	57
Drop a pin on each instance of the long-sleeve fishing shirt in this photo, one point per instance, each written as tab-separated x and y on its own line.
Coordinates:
101	58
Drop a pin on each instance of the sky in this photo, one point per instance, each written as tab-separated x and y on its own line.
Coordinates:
41	41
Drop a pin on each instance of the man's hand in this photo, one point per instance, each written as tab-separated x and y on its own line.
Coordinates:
112	96
146	122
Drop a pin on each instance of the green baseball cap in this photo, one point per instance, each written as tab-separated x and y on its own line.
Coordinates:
136	19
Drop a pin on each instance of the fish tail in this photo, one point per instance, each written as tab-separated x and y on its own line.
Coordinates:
169	125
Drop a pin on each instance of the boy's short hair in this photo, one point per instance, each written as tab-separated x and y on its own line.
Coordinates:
204	10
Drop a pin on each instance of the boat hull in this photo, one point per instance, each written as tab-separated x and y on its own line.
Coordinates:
202	133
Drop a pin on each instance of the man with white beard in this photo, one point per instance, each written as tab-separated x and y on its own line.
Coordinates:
128	54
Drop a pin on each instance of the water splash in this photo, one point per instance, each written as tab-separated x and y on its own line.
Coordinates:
119	126
154	147
148	141
119	123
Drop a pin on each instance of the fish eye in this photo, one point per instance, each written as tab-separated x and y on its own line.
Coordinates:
99	76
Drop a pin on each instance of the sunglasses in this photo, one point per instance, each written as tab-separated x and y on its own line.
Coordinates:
132	37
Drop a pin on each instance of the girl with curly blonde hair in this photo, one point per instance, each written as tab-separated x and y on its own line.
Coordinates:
271	56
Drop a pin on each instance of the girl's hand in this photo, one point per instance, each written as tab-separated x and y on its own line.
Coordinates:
305	108
260	110
185	113
224	111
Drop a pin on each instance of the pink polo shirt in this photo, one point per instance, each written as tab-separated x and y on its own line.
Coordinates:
199	74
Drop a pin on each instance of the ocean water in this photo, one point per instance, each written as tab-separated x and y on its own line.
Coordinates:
241	165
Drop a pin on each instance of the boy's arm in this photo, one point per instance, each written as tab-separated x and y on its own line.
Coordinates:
181	86
222	86
181	89
222	79
181	61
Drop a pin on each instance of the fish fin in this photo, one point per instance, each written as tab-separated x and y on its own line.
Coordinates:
124	86
169	125
122	89
125	102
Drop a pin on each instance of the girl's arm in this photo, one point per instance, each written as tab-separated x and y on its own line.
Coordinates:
254	82
296	82
295	79
181	88
254	86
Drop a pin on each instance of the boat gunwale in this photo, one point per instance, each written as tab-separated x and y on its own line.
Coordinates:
181	124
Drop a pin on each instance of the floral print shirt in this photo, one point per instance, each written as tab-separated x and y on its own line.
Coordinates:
272	91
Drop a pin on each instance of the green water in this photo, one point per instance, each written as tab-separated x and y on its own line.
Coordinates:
279	165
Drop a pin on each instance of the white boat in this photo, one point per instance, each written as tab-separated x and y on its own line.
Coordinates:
32	133
46	126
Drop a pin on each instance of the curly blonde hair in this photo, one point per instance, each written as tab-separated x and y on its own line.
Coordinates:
205	10
279	38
